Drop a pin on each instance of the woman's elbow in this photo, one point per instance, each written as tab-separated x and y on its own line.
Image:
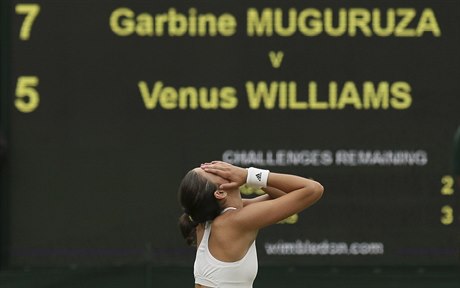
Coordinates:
317	190
313	192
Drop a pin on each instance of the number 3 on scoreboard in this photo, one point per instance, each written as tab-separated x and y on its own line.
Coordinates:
447	215
31	11
27	97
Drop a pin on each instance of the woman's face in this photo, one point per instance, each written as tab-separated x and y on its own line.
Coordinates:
211	177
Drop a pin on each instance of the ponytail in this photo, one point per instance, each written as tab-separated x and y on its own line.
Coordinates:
188	229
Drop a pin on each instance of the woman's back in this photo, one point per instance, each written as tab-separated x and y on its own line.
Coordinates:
211	271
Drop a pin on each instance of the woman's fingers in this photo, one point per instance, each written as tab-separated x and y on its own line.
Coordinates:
236	176
216	166
216	171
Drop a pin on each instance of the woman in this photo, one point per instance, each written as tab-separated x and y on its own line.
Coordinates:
224	226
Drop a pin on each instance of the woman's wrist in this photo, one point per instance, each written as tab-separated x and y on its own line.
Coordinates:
257	178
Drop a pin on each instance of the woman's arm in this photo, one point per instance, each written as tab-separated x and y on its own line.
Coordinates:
270	193
300	194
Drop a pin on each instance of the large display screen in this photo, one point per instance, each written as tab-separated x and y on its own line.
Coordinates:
112	102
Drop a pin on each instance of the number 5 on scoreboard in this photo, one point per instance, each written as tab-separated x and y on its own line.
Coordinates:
31	11
27	97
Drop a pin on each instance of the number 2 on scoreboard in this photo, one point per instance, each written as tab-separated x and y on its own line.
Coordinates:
31	11
447	185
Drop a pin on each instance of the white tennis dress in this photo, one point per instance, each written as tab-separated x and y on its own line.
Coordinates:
211	272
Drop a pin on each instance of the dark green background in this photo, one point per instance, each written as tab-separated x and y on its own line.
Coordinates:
92	174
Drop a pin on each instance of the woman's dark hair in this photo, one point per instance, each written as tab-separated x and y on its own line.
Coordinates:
196	195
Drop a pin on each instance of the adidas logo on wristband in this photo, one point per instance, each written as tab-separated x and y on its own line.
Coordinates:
257	178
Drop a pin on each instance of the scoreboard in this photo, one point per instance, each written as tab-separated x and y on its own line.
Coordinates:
111	102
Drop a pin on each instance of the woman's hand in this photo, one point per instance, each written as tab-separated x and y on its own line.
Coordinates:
235	175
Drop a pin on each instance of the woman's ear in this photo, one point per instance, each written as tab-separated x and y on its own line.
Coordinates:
220	194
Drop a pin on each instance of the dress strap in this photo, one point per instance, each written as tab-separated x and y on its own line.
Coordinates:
226	209
207	231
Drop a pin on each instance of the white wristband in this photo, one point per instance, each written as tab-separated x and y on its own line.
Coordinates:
257	178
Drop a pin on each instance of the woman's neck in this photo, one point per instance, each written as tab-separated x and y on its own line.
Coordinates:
233	199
